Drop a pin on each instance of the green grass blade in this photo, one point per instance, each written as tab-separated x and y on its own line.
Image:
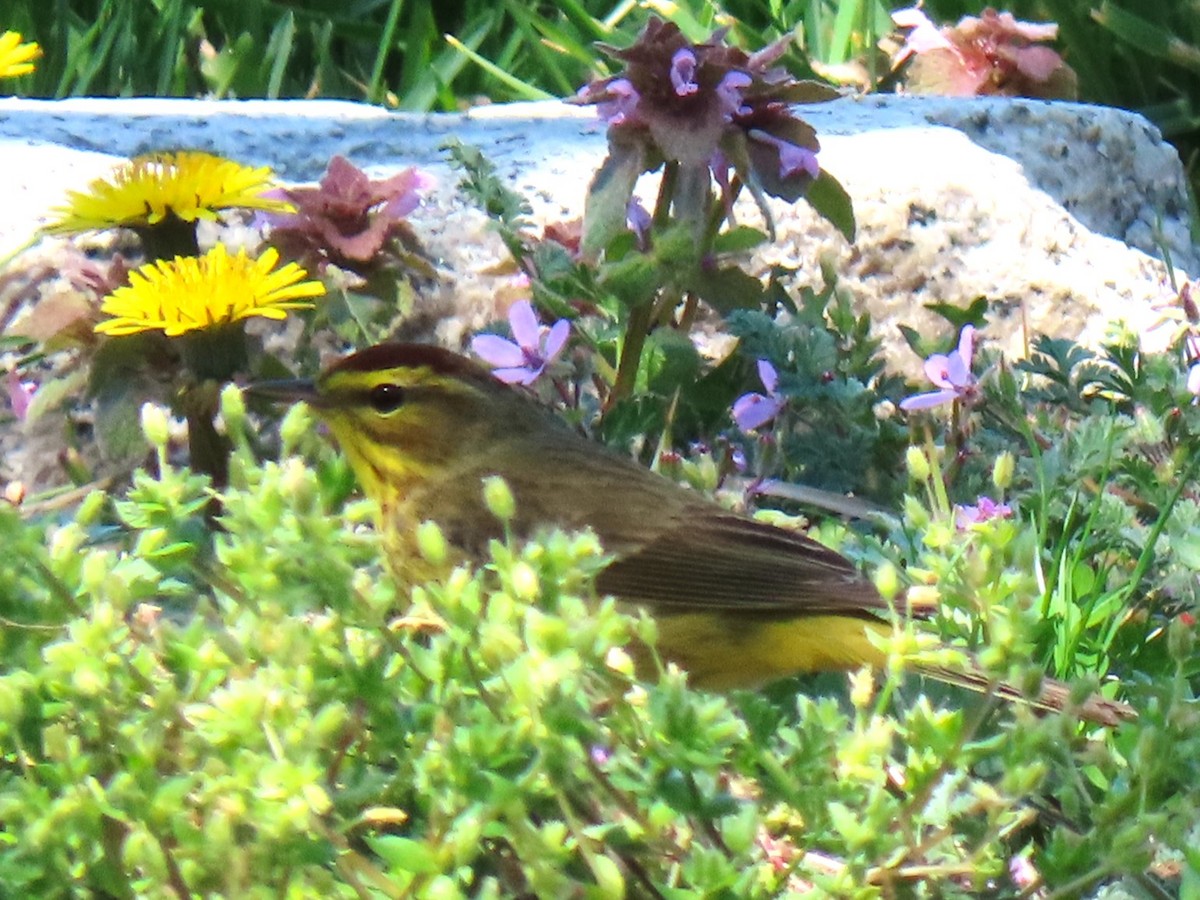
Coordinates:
521	89
375	87
279	51
433	85
1147	37
849	13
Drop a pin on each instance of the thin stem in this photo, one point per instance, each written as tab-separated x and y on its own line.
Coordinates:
631	353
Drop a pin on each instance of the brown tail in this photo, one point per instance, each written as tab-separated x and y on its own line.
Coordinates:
1054	697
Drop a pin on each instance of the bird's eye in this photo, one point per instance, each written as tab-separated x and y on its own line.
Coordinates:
386	398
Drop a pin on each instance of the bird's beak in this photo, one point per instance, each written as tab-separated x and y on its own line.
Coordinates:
290	390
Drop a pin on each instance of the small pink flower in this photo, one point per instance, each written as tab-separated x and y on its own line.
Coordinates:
753	410
984	510
20	394
925	36
952	374
522	361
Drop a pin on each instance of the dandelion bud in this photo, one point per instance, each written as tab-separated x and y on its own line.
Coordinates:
432	543
918	464
862	688
887	581
155	425
233	409
91	508
1002	471
525	582
296	423
619	660
499	498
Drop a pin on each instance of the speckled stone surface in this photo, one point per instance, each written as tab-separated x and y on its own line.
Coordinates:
1052	211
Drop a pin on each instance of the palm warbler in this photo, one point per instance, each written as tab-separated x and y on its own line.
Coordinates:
738	602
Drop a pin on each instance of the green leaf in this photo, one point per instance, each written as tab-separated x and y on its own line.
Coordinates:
633	279
120	382
727	289
975	314
604	211
738	239
405	854
827	196
671	361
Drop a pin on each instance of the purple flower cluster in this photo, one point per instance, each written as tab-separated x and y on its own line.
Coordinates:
707	106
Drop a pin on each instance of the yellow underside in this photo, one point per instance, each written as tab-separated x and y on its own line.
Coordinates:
721	653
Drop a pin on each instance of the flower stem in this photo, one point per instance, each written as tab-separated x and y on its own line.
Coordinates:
631	352
208	450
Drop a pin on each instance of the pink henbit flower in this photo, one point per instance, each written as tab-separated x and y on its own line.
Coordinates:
535	347
952	374
994	54
351	220
20	394
753	410
681	101
984	510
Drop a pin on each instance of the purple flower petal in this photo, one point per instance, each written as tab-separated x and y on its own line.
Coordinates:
792	157
621	103
1193	380
752	410
958	371
497	351
525	328
683	72
638	218
929	400
729	94
20	395
966	345
555	340
768	376
937	370
518	375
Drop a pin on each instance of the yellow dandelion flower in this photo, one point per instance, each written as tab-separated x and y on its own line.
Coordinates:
16	58
188	185
190	293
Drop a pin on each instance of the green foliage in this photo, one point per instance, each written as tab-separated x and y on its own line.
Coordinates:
278	723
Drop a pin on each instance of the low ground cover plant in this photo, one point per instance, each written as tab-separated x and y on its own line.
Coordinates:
211	684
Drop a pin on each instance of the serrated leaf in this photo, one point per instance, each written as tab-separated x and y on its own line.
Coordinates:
974	314
633	279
